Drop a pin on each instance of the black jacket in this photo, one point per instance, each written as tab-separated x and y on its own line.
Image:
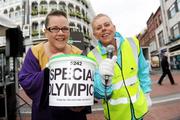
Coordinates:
165	64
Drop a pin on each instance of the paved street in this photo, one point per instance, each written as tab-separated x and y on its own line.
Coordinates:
166	101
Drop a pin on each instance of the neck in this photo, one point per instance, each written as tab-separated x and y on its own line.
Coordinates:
51	50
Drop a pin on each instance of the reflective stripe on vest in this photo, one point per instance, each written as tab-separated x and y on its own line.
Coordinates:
128	82
124	100
97	55
134	48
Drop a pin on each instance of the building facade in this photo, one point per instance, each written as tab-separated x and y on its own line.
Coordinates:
170	35
163	33
148	37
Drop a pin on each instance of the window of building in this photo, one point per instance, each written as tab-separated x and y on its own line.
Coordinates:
160	19
12	13
161	39
175	31
178	5
153	46
172	11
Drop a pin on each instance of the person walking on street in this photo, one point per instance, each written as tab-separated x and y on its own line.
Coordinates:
166	71
34	76
122	82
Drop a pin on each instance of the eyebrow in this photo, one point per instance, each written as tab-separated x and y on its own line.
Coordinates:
104	23
59	26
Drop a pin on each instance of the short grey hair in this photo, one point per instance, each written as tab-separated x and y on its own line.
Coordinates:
98	16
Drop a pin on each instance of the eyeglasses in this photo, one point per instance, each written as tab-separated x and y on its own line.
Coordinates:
57	29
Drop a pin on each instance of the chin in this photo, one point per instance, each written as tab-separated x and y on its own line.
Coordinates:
106	43
61	47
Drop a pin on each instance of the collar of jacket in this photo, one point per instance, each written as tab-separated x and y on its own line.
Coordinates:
119	40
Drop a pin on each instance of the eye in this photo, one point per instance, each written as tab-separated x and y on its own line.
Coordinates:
54	29
107	24
65	28
98	28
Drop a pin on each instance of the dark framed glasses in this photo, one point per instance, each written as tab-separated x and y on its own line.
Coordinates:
57	29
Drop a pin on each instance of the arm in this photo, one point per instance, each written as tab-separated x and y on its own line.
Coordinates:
31	77
143	73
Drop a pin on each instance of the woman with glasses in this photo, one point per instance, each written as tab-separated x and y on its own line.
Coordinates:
34	76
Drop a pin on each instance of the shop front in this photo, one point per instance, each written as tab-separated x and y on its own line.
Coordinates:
175	55
175	62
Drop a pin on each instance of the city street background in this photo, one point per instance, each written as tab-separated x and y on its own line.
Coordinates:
166	101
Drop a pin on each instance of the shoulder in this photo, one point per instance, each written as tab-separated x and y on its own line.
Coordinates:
75	50
134	40
93	52
38	49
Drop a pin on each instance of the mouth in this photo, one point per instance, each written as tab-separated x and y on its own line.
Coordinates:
60	39
106	35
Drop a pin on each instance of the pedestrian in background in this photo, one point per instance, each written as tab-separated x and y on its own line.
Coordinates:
34	76
125	92
165	70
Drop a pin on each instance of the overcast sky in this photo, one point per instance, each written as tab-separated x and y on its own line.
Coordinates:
129	16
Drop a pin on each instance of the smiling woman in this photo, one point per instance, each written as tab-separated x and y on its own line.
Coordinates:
34	75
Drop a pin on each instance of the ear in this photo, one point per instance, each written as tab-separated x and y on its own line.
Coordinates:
94	33
46	33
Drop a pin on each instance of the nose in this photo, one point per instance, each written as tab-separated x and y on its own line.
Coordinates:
60	32
103	28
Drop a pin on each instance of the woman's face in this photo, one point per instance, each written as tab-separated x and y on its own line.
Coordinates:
57	32
104	30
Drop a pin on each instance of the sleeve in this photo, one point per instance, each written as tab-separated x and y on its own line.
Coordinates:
31	76
143	73
99	88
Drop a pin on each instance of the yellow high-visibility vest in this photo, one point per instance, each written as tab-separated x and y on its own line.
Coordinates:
125	82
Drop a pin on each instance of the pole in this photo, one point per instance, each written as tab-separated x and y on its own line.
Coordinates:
4	86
